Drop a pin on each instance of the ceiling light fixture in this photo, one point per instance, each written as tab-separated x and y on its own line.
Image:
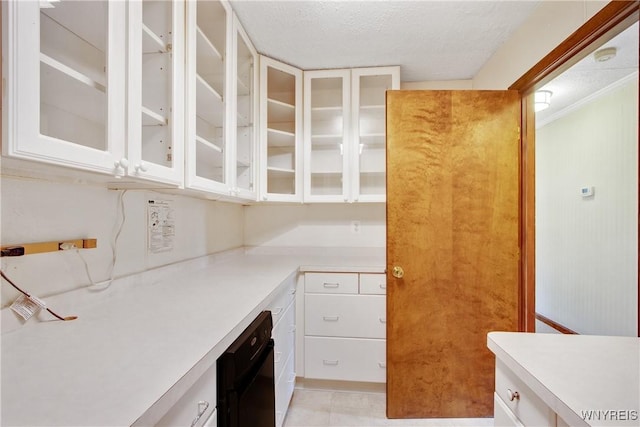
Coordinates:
542	100
605	54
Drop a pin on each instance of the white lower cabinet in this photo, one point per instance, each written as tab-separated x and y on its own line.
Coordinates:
345	327
197	406
516	404
284	389
345	359
283	313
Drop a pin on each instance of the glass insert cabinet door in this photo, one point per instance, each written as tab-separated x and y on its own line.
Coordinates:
246	113
156	97
369	86
327	114
281	131
207	23
66	82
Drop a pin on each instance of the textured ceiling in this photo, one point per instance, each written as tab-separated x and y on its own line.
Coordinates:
430	40
588	76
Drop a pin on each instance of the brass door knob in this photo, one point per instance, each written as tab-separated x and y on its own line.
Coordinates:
397	272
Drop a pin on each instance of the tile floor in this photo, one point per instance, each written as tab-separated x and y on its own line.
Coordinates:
347	409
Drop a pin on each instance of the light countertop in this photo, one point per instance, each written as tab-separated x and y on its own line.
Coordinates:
141	342
573	374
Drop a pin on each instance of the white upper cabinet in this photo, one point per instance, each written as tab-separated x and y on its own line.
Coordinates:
243	165
344	142
280	131
368	138
207	121
326	135
64	64
221	102
156	90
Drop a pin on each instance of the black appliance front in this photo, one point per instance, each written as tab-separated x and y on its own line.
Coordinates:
246	390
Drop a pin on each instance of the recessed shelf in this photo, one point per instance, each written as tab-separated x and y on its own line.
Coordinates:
373	107
72	93
151	118
278	111
209	105
326	113
280	172
327	139
243	163
151	42
280	138
208	143
70	72
204	46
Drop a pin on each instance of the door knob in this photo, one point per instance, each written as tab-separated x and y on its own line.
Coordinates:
397	272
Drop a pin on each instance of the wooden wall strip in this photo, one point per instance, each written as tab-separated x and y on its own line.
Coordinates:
616	14
555	325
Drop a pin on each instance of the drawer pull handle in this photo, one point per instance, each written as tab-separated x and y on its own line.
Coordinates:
277	311
382	364
293	292
513	395
292	329
382	320
383	286
329	362
203	405
331	285
330	318
278	356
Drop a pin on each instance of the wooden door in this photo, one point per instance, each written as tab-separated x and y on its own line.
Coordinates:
453	227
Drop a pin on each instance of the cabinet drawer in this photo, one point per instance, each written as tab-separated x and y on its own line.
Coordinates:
331	283
360	316
373	284
528	407
189	407
283	337
281	302
284	390
346	359
502	415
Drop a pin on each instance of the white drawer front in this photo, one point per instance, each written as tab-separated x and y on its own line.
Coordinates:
281	302
189	408
527	407
361	316
347	359
331	283
373	284
502	415
284	339
284	390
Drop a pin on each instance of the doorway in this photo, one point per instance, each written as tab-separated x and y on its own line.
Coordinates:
608	23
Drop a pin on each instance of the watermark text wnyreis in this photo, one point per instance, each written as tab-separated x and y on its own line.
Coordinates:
610	415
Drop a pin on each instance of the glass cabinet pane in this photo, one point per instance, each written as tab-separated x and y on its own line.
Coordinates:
327	145
245	104
157	81
371	127
73	64
211	18
281	128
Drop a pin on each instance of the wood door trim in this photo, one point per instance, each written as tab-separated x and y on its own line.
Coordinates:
616	15
555	325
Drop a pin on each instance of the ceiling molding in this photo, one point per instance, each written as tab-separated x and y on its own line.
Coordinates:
586	100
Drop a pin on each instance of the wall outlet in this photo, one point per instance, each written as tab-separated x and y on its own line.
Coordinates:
355	227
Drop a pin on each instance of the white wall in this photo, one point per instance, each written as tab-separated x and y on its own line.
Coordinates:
318	225
587	249
549	25
40	211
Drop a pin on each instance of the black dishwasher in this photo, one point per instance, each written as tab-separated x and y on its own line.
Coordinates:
245	384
